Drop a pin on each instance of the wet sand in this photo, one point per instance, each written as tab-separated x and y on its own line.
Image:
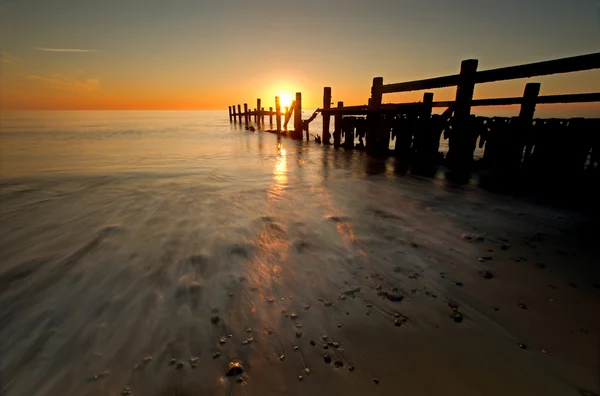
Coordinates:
294	262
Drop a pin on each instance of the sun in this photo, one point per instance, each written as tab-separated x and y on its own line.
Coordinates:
285	99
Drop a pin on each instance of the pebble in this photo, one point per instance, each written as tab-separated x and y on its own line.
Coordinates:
395	297
179	365
458	283
339	325
295	348
216	355
299	325
172	362
248	341
293	316
522	346
376	380
457	316
230	294
320	299
351	368
341	297
327	359
379	287
269	331
369	305
298	334
328	303
193	366
351	292
466	237
148	359
338	363
101	375
234	368
336	345
313	343
307	307
215	319
270	300
126	391
453	306
307	370
522	306
240	379
300	378
324	337
194	359
398	323
248	330
487	275
222	340
282	357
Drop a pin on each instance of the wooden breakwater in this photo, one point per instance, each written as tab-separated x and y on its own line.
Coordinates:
510	144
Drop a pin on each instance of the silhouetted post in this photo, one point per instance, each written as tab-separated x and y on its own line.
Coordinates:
530	95
257	116
326	116
230	114
262	115
246	113
270	115
298	116
374	133
233	113
337	131
288	115
427	104
254	113
240	113
278	113
463	138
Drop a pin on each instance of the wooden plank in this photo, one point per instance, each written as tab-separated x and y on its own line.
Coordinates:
546	99
565	65
326	116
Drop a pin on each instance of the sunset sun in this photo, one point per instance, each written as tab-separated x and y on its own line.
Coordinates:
285	99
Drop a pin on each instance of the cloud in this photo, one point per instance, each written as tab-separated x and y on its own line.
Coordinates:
64	49
67	84
5	57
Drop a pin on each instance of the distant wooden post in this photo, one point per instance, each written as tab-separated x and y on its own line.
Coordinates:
463	138
234	114
230	119
288	115
298	116
239	113
262	115
337	132
254	113
270	115
257	116
375	140
246	113
278	115
532	91
326	117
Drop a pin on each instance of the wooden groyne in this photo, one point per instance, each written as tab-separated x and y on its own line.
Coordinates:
510	144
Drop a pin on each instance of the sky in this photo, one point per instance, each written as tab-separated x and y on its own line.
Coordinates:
209	54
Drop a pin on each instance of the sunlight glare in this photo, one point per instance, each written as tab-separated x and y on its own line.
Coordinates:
285	99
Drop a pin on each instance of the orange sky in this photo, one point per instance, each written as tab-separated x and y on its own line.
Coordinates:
188	55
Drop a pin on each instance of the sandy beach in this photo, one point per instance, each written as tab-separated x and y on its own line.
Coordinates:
320	272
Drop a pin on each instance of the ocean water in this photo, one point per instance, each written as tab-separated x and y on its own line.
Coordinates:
127	235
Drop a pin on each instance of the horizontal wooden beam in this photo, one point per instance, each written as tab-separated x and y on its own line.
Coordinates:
547	99
564	65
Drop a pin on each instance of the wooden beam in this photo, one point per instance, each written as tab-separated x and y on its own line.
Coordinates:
288	114
326	117
278	110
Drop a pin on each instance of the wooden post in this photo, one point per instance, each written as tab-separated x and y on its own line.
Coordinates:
288	115
246	113
326	117
262	115
257	116
462	139
234	114
337	132
230	114
278	111
427	104
254	113
298	116
530	95
239	113
270	116
375	139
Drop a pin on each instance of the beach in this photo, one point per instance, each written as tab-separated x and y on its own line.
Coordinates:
144	252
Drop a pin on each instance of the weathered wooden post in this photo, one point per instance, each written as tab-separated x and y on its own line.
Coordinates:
326	116
337	132
254	113
278	115
427	104
230	119
530	95
270	116
240	113
257	115
298	116
262	115
463	138
234	114
374	133
246	113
